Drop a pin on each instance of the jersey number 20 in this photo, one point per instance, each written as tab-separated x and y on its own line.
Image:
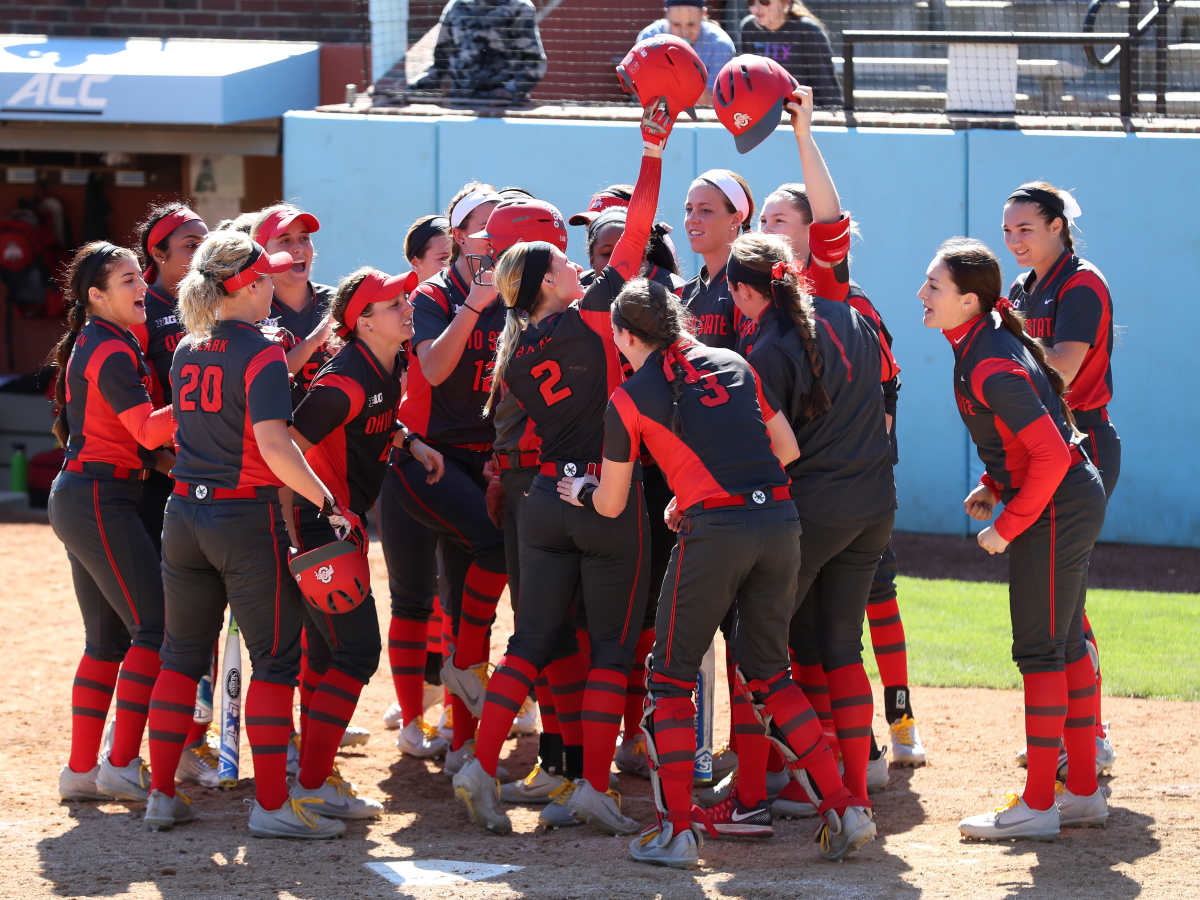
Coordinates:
207	380
551	393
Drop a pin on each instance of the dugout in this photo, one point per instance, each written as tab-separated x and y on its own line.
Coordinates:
93	130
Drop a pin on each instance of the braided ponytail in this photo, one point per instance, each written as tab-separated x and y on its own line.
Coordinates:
652	314
509	271
89	268
768	260
974	269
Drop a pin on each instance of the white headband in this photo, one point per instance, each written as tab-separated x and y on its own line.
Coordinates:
469	203
727	185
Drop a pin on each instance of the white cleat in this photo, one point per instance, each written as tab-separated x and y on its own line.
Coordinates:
601	811
660	846
74	785
198	765
842	835
877	771
421	740
536	787
393	717
295	819
354	736
1012	819
906	743
526	721
1073	809
336	799
129	782
479	792
469	685
163	813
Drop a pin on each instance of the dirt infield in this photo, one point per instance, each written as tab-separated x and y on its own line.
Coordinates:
99	850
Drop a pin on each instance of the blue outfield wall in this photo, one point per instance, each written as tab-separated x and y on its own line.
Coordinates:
368	177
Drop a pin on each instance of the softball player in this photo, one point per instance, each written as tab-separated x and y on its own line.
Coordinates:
224	539
345	424
557	358
823	364
411	550
298	304
109	427
719	207
1010	399
702	413
456	325
168	238
810	217
1068	308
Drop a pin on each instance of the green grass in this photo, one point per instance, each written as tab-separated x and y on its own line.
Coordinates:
959	635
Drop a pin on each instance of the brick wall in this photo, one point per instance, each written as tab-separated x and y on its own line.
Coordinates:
327	21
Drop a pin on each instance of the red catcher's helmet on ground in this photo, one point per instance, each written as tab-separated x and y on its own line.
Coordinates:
334	578
524	220
663	66
749	95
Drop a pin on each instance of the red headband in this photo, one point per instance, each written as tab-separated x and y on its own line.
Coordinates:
374	288
162	230
259	263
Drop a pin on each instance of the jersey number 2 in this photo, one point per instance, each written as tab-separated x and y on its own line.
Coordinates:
208	380
550	392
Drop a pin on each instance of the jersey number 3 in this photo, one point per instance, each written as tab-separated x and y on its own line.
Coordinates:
208	380
551	393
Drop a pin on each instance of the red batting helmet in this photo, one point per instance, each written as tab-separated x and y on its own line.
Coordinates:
663	66
749	95
334	578
524	220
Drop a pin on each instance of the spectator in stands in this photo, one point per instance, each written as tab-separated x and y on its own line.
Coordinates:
689	20
488	49
787	32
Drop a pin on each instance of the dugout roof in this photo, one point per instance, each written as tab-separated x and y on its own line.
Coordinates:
147	80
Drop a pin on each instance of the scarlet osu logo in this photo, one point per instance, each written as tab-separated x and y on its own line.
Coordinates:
325	574
741	120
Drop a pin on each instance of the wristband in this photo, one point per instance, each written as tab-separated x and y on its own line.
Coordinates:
327	508
409	437
471	308
585	496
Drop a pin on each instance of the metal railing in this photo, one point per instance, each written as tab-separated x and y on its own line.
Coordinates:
1138	26
1123	41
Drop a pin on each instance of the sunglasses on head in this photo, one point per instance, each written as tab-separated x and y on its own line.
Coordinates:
760	2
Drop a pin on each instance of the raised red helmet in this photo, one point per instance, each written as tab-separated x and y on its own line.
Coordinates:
524	220
749	95
334	578
663	66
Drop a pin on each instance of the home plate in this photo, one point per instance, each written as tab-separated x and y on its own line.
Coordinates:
424	872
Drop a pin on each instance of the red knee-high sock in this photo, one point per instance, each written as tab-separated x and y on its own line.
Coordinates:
674	722
506	691
851	702
1045	713
812	680
329	713
481	593
134	685
309	680
603	706
546	708
887	639
795	722
268	728
91	695
568	679
198	730
730	669
635	689
752	747
407	641
171	705
463	724
1079	729
435	627
1094	653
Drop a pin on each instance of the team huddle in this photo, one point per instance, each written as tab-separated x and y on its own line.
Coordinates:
640	459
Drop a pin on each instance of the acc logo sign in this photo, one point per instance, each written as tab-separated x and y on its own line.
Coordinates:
324	574
60	93
741	120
